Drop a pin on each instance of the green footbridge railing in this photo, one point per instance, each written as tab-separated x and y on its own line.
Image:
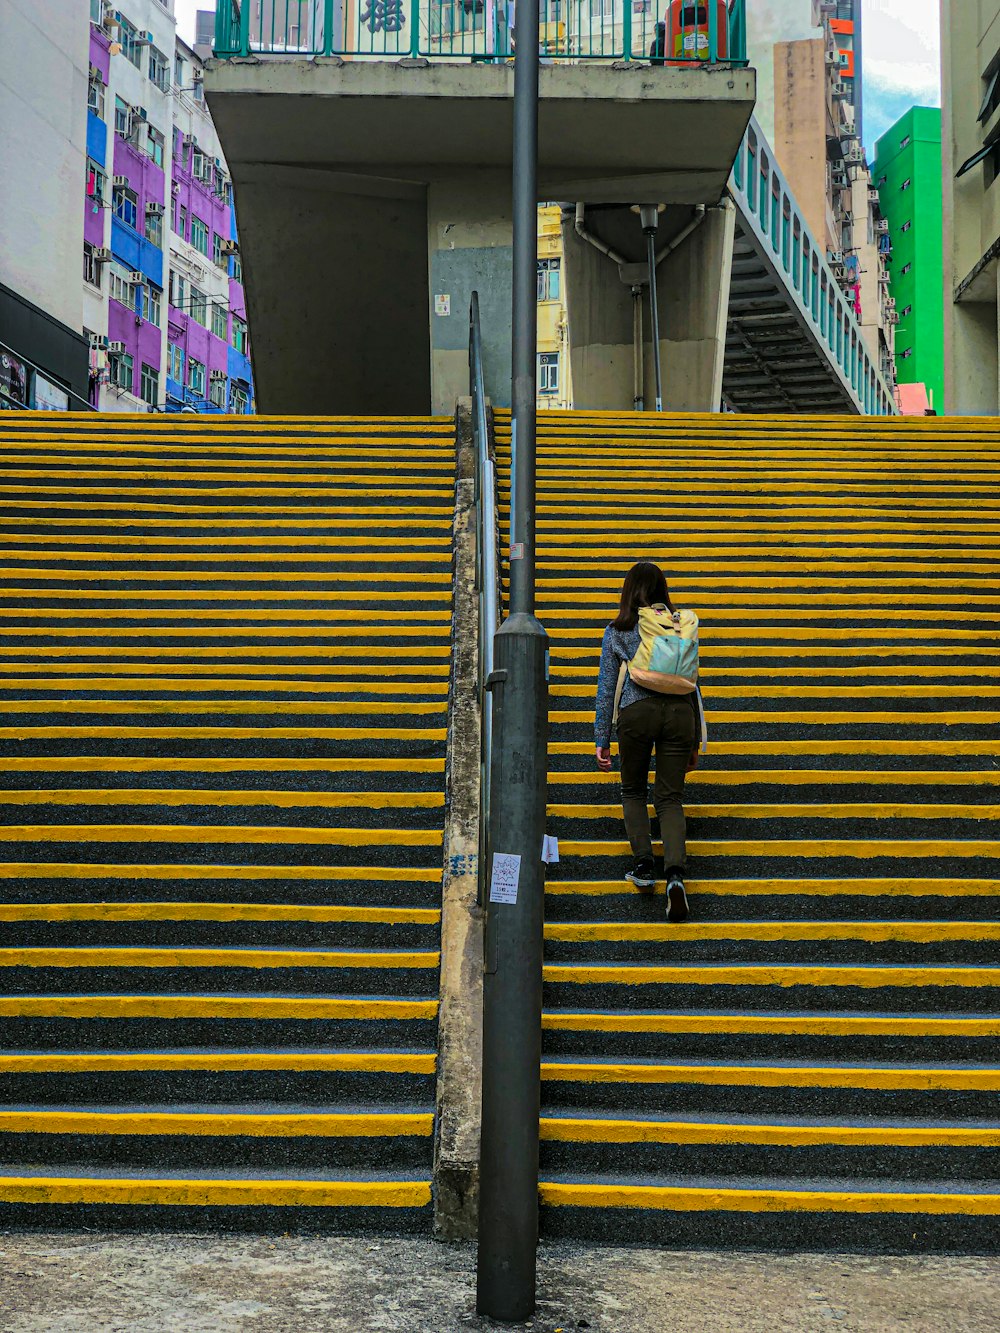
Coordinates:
664	32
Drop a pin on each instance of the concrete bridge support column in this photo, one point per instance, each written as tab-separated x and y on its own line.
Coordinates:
693	301
345	309
469	237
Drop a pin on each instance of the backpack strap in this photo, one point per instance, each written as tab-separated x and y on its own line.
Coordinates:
622	675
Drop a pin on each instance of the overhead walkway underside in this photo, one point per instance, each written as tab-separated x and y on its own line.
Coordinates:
773	362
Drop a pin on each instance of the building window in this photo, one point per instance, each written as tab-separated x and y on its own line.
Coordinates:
95	92
906	268
130	43
121	369
126	204
199	307
236	272
219	320
97	11
154	229
217	256
907	225
239	400
548	372
91	268
548	280
240	334
149	303
906	310
97	183
182	219
123	118
149	385
905	142
178	291
179	71
196	377
159	69
121	285
906	184
199	235
991	94
217	391
154	145
175	362
905	356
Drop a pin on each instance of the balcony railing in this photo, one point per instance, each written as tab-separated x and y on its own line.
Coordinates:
695	32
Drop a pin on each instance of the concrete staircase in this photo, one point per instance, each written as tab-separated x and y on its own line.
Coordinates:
224	671
812	1061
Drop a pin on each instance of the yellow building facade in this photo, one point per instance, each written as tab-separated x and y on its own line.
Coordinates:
553	379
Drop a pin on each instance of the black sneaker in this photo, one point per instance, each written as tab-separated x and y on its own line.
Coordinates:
677	903
643	874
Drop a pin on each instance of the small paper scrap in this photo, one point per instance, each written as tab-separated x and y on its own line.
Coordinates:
550	850
505	878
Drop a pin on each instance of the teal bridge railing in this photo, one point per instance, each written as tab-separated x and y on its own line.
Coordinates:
767	207
694	32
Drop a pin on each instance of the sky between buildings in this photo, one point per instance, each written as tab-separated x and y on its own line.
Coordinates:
901	52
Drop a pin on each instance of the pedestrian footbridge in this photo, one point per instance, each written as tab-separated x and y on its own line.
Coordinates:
793	343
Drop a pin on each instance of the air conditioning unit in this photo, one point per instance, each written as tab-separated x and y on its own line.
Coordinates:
835	256
840	272
217	375
136	279
116	349
891	317
139	114
882	226
144	39
190	141
153	209
98	340
198	76
854	154
874	197
102	256
890	303
840	89
229	248
121	182
841	180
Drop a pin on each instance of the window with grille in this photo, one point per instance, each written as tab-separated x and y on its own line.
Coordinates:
196	377
154	229
240	341
199	307
219	320
217	391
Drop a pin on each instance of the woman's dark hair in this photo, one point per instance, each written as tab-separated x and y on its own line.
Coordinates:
644	585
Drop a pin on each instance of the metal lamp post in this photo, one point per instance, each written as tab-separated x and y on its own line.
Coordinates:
512	992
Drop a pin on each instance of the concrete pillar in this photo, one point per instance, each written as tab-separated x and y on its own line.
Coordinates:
345	306
972	387
693	301
469	236
693	288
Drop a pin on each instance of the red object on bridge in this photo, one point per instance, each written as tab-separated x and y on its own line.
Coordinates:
688	33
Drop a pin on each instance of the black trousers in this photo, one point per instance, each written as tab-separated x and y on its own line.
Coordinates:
666	724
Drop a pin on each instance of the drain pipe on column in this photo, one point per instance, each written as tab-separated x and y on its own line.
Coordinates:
627	266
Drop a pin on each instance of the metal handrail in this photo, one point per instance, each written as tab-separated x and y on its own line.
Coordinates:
487	559
569	30
40	370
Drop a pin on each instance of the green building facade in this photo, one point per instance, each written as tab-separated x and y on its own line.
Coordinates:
907	174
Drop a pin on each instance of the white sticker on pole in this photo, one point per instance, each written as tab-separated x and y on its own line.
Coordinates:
550	850
506	874
517	550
